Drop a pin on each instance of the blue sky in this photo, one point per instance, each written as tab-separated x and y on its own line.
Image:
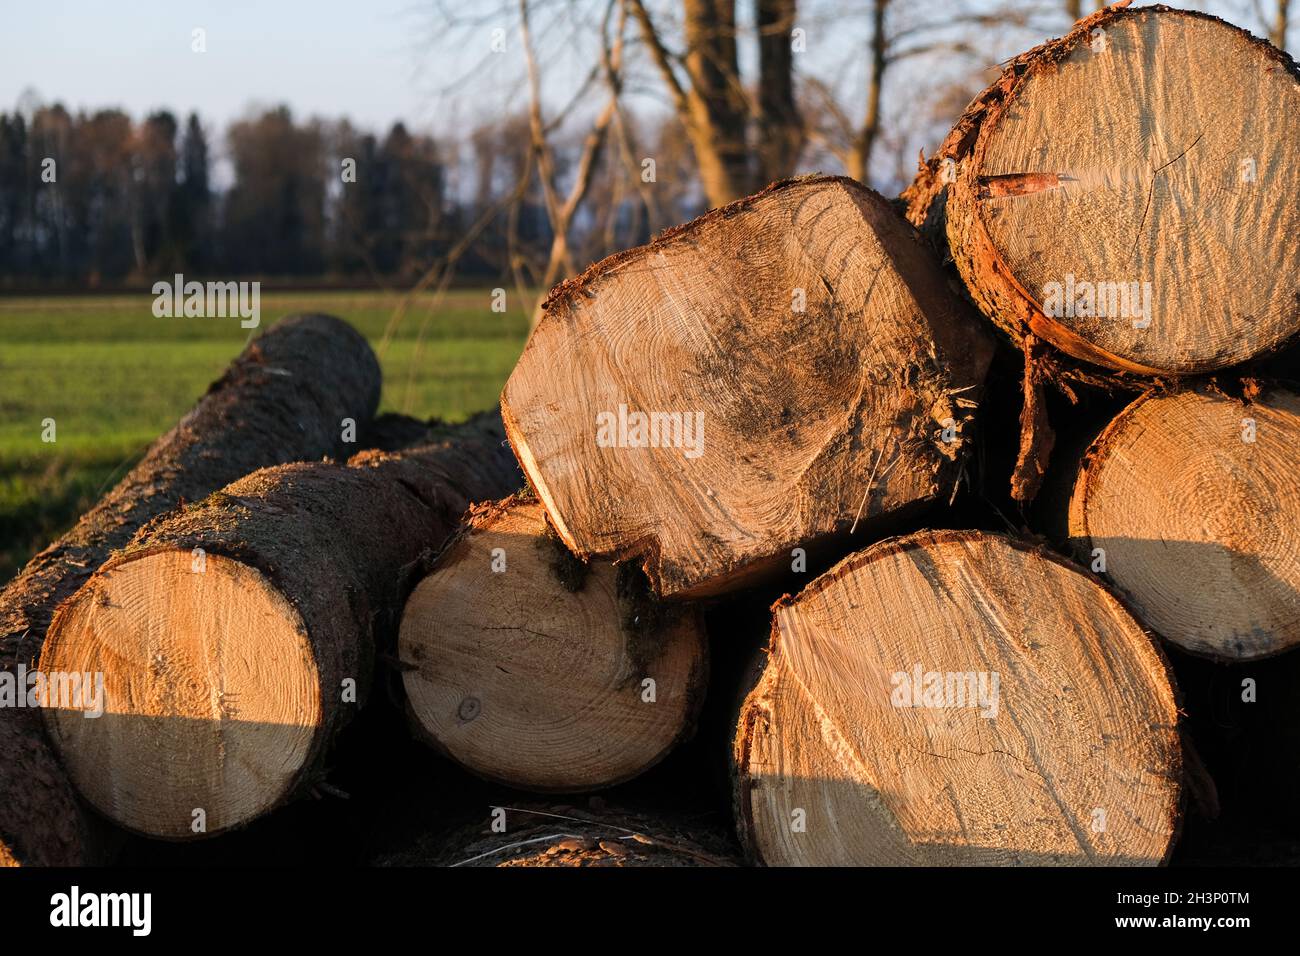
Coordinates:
360	59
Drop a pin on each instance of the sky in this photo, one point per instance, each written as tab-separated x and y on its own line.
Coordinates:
332	58
379	61
373	61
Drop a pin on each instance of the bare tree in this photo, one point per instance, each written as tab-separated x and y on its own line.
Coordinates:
864	142
561	210
710	97
963	34
714	103
780	126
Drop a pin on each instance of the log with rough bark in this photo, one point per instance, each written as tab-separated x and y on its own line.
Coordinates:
237	636
563	836
958	698
785	371
534	669
287	397
41	823
1186	502
1126	193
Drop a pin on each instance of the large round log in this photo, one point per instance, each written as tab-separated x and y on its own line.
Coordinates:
958	698
287	397
237	636
530	668
1126	193
785	370
1187	503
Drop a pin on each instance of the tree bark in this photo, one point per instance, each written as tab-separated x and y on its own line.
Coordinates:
822	374
958	698
237	636
533	669
1099	196
780	127
285	398
711	104
1187	499
718	107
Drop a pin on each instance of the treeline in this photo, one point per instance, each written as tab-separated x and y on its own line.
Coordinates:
97	199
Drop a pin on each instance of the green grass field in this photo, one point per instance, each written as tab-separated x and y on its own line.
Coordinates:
113	377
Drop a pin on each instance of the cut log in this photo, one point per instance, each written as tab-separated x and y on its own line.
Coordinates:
237	636
1110	187
285	398
785	370
555	836
1189	500
958	698
530	668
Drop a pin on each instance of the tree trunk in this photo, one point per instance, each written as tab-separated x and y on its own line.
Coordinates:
711	104
561	835
780	127
237	636
1188	500
864	143
286	397
1108	188
790	369
958	698
718	108
530	668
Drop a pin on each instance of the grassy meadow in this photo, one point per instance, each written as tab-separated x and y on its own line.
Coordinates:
113	377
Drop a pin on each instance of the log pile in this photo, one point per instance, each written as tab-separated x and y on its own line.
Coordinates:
296	393
1004	474
238	635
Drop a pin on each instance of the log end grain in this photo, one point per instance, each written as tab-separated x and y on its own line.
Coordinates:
1112	184
534	669
1186	502
956	698
788	368
171	741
